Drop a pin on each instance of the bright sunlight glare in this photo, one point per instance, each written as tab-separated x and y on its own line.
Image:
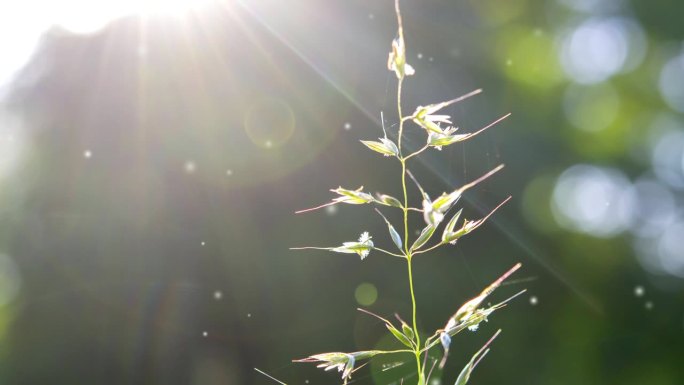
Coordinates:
23	22
87	16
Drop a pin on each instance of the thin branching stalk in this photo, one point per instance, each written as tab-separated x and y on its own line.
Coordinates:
407	251
409	254
472	313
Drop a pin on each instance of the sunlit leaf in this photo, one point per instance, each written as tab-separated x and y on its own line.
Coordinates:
397	57
423	111
445	201
389	200
408	332
446	137
396	238
385	146
362	247
395	332
423	237
355	197
449	229
437	140
399	335
424	115
433	212
464	376
469	307
343	362
469	226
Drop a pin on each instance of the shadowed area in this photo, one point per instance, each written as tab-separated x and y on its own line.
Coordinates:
152	156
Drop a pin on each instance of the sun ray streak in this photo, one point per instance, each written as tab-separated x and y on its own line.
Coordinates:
309	62
514	237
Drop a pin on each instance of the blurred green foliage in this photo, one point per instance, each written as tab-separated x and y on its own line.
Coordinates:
207	131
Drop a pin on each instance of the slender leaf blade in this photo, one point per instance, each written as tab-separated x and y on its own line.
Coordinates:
424	236
399	335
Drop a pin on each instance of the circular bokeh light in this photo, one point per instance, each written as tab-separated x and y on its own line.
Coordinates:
593	200
269	123
366	294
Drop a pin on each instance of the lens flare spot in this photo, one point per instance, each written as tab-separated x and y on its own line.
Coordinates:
600	48
670	253
269	123
591	108
671	80
540	216
593	200
667	150
331	210
190	167
142	50
656	209
533	52
639	291
366	294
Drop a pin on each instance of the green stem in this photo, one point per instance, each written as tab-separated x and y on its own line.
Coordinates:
407	250
395	351
417	350
431	344
388	252
429	249
417	152
401	123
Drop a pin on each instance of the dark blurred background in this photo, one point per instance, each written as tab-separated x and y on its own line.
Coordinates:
152	155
